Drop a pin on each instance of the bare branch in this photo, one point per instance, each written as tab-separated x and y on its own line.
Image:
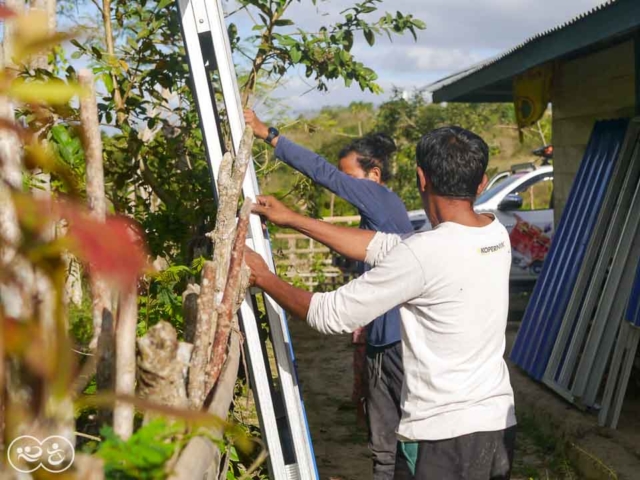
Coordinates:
202	339
229	301
108	33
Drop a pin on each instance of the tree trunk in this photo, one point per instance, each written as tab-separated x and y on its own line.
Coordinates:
16	292
201	457
125	361
92	142
224	282
15	295
161	377
88	467
103	339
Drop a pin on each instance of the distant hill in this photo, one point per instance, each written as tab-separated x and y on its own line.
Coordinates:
330	129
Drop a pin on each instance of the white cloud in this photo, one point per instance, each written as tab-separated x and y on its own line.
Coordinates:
459	33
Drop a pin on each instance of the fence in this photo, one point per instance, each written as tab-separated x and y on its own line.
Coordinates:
308	263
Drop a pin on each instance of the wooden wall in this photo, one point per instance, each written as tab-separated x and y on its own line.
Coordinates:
594	87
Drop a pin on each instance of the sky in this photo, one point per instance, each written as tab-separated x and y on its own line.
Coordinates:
459	33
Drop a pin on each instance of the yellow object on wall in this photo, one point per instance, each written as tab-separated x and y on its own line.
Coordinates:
532	94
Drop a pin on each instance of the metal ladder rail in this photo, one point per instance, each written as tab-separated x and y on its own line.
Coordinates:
277	317
202	22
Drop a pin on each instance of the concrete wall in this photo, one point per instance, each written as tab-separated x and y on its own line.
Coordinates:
594	87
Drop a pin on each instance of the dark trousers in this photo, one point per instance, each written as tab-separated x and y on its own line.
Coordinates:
477	456
384	378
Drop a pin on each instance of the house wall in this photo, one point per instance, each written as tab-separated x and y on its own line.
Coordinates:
594	87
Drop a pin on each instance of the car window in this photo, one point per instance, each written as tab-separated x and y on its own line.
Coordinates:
536	194
497	179
493	191
418	223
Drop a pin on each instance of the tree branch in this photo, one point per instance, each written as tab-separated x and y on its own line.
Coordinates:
228	306
153	183
203	336
125	361
108	34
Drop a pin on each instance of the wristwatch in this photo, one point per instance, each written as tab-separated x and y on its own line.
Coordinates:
273	133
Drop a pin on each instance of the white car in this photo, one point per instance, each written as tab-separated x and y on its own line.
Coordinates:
523	202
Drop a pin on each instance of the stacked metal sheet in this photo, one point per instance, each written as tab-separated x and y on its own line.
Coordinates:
624	355
573	334
554	287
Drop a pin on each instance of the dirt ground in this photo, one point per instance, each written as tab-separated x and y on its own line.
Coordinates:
325	373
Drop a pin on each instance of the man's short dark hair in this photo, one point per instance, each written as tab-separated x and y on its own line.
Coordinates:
454	160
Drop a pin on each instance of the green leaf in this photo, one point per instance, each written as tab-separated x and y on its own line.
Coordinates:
164	3
233	454
419	24
64	142
369	36
51	92
77	44
97	53
295	55
283	22
107	79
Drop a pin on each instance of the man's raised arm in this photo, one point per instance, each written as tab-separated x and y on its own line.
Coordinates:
349	242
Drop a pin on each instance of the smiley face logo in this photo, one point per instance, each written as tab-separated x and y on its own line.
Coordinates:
27	454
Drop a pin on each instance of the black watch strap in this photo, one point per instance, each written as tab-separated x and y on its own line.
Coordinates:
273	133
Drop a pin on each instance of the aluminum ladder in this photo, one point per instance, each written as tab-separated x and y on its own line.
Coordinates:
280	408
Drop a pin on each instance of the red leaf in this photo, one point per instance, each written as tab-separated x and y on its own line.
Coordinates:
113	249
6	12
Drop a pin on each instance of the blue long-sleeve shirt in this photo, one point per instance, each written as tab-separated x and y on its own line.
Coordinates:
380	210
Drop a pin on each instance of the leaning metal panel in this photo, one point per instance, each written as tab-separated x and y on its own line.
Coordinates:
548	303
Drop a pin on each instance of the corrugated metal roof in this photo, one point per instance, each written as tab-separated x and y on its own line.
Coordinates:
490	61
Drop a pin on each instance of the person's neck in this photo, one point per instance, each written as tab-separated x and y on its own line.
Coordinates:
458	211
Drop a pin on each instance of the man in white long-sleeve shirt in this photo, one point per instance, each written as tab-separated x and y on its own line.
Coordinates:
452	287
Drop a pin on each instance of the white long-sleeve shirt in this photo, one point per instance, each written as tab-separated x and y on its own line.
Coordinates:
452	286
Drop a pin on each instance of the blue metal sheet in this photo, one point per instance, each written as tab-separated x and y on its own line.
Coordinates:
543	317
633	310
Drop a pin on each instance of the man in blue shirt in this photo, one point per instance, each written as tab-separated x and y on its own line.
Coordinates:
364	168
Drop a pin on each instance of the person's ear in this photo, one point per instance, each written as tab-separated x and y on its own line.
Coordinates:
375	174
422	180
483	184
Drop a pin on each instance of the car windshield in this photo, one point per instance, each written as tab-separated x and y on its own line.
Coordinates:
493	191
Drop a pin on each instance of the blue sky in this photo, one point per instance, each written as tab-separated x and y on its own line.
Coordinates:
459	33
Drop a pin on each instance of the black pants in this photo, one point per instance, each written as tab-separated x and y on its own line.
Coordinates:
477	456
384	377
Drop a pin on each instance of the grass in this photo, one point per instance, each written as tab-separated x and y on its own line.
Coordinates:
539	455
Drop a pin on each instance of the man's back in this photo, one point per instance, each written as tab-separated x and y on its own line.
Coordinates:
454	334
